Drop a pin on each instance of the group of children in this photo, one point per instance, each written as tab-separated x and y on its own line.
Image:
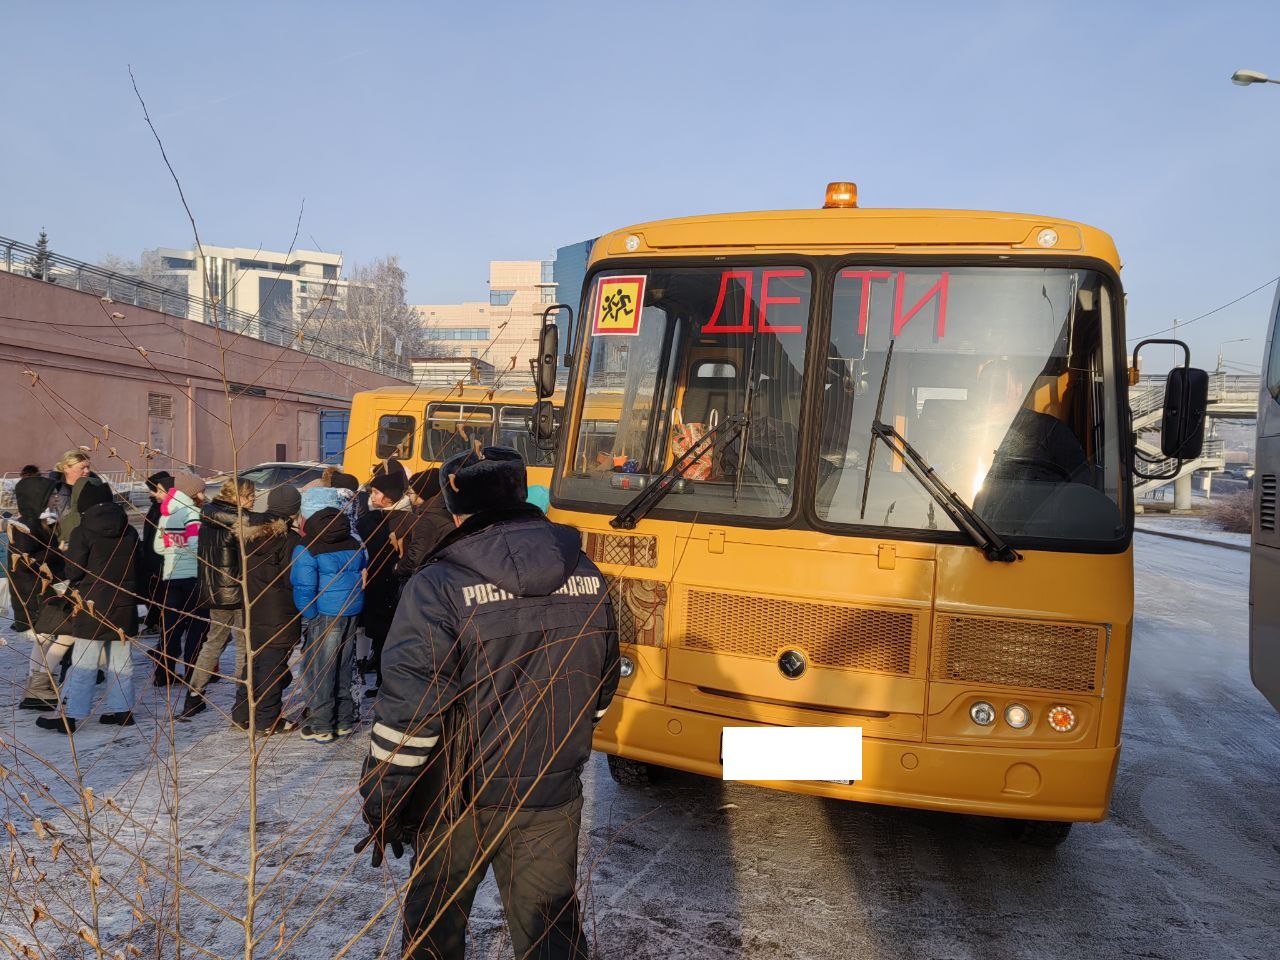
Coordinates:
310	568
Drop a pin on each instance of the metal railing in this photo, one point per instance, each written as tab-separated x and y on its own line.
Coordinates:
17	257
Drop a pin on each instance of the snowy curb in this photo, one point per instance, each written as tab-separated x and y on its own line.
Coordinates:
1189	539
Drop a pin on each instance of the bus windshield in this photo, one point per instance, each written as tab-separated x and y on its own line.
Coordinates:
1001	378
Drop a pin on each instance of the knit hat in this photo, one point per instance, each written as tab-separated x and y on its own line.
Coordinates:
184	481
284	501
93	493
344	481
493	479
32	496
390	485
319	498
425	484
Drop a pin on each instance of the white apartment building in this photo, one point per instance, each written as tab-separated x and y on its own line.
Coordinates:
502	331
294	290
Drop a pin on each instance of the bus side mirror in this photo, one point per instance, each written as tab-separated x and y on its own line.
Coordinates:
1186	397
548	360
544	423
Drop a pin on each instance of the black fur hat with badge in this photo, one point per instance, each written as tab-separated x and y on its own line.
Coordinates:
491	478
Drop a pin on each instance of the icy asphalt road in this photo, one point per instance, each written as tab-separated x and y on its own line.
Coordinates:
1187	866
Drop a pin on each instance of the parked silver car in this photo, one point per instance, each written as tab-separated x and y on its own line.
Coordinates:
267	476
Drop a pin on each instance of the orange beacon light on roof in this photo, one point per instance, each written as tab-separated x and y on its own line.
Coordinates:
841	195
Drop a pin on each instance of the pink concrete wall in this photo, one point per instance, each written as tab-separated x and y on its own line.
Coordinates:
72	375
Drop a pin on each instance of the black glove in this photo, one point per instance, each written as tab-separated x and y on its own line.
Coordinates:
387	834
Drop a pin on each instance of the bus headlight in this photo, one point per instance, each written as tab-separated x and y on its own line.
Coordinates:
627	667
1062	718
982	713
1017	716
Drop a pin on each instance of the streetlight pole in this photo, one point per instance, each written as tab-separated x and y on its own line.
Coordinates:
1224	343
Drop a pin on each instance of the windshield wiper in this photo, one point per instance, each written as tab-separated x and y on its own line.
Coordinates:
992	545
657	488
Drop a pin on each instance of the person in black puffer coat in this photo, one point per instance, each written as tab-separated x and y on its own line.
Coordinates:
220	586
502	658
102	576
431	522
379	529
31	543
274	624
34	566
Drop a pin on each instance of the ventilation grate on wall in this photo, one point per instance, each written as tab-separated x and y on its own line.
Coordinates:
160	405
1267	503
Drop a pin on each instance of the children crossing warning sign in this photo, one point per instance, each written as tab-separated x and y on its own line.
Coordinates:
618	303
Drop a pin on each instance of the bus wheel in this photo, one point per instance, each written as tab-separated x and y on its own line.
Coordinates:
632	773
1038	833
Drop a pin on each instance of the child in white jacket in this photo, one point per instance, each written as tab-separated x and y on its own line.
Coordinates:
177	537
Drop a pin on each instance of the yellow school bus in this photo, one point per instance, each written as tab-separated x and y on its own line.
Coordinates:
858	467
423	426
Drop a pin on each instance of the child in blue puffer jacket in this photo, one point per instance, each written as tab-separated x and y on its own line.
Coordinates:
328	589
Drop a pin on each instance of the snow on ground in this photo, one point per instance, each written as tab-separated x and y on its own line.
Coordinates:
163	777
1185	867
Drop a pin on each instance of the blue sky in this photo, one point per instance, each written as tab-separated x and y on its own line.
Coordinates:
453	134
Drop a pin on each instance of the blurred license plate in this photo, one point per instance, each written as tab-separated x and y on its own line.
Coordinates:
830	754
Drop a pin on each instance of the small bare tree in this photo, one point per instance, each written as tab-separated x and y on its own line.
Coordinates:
148	268
376	318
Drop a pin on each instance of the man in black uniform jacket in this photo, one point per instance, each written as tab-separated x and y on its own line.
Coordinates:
502	657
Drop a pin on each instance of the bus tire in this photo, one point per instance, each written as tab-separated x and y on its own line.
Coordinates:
1039	833
632	773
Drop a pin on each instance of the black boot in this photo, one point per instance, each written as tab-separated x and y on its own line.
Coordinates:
36	703
118	719
193	705
58	724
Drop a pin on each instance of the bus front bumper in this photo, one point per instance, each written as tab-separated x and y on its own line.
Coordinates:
1070	784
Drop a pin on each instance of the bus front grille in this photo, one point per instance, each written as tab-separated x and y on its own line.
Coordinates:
1019	653
854	638
622	549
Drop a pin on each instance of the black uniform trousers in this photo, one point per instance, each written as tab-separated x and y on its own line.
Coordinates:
535	862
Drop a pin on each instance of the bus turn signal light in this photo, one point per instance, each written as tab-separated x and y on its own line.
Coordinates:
1062	719
841	195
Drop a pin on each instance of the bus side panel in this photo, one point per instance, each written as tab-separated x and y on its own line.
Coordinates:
1264	562
361	433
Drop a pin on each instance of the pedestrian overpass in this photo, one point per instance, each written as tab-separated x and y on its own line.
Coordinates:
1231	397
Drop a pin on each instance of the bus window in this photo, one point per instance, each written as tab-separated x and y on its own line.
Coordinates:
710	343
999	385
455	427
515	431
395	437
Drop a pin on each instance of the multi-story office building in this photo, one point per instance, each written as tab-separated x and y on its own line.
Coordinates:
570	272
502	331
298	290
